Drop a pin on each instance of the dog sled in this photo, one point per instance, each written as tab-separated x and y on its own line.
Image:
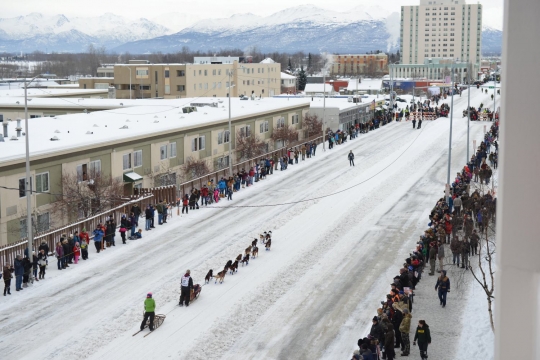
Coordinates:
195	292
158	320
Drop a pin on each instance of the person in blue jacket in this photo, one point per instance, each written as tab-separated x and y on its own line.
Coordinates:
98	237
222	186
19	272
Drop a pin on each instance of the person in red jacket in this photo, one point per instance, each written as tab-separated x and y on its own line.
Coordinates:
204	195
185	203
76	252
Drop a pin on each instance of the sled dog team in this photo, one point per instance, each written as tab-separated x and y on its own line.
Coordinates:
251	251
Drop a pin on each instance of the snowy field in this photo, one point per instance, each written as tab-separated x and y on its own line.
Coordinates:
311	297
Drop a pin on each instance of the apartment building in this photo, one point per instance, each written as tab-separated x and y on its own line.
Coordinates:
441	29
142	146
359	64
204	79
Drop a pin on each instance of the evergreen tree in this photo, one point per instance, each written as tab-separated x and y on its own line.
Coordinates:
290	66
302	79
309	63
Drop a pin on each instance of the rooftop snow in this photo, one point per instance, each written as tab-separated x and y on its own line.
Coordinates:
163	117
287	76
36	92
365	84
318	88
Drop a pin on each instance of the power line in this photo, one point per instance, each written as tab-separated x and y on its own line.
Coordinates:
323	196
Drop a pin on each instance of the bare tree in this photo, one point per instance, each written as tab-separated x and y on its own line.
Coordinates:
285	134
194	168
87	196
312	125
249	146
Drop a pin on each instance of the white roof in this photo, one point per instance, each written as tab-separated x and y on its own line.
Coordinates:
365	84
161	118
268	61
287	76
37	92
318	88
342	103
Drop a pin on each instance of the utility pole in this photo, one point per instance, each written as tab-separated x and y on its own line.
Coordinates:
230	133
468	109
324	105
28	187
450	139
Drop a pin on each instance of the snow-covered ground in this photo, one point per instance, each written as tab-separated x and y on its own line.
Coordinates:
311	297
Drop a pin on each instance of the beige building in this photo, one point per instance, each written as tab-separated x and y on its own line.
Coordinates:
142	146
359	64
171	81
441	29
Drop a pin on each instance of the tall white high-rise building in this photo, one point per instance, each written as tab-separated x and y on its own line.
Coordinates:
449	29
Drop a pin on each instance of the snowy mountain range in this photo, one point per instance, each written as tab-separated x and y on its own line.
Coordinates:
307	28
59	33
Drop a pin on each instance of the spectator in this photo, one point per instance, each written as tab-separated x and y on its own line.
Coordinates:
42	262
19	272
405	329
59	255
148	217
98	237
443	285
424	338
7	274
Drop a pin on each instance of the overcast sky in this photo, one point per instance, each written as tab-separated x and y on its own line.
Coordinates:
208	8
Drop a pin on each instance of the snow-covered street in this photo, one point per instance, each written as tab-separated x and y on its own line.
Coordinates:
311	297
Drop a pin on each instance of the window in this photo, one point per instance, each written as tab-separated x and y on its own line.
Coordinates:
214	72
223	137
137	158
155	76
167	89
294	119
222	162
180	73
43	222
163	152
94	168
172	150
22	187
180	88
199	143
205	72
166	74
219	85
263	127
142	72
126	161
42	182
200	72
281	122
245	131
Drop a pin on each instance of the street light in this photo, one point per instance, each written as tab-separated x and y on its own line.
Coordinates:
28	189
450	139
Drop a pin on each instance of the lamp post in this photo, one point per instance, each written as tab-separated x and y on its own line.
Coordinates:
28	187
450	139
468	109
230	137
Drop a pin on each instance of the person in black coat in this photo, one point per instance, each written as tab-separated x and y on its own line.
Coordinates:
70	255
67	251
136	210
396	322
44	247
34	265
27	264
376	331
110	231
